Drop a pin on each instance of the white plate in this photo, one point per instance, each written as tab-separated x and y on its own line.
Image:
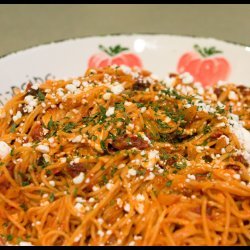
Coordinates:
160	54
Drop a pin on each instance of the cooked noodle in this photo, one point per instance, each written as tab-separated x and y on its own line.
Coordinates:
118	157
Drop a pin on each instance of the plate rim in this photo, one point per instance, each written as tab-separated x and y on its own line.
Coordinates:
15	52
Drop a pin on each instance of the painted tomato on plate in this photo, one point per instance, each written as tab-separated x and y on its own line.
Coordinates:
114	55
205	65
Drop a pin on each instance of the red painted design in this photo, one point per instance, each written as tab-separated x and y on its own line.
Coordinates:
114	55
204	66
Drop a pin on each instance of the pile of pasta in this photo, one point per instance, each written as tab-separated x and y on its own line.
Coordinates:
119	157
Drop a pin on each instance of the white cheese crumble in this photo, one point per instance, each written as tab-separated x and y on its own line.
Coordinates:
169	81
167	119
187	78
91	200
77	238
117	89
79	199
106	96
132	172
95	188
71	88
110	111
191	177
52	183
17	116
126	103
109	186
150	177
140	208
100	233
140	197
79	179
232	96
43	149
77	139
63	160
25	243
76	83
143	109
51	140
131	243
109	232
242	134
60	92
5	149
100	220
119	202
226	138
31	103
126	207
78	206
203	106
126	70
153	154
236	176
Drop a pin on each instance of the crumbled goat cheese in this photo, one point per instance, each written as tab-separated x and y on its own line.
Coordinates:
77	139
52	183
5	149
43	149
117	89
17	116
79	179
126	207
232	96
106	96
110	111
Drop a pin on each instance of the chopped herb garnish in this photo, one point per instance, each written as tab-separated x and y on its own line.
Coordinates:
220	110
40	96
112	202
180	165
113	171
230	108
140	171
162	124
25	183
206	129
12	152
169	183
103	146
42	162
51	197
75	192
119	106
94	137
13	128
9	237
104	179
24	207
68	127
140	105
51	124
48	172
